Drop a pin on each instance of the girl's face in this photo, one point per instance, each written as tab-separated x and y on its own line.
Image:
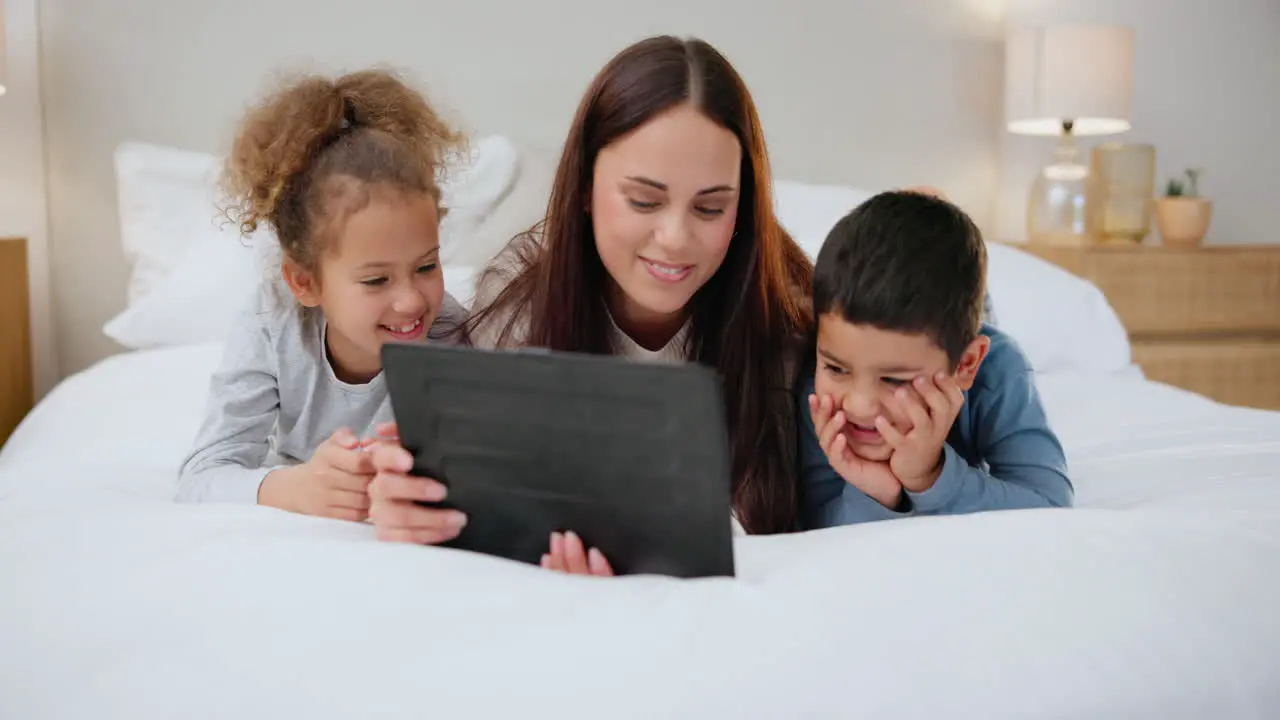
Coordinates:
379	282
664	202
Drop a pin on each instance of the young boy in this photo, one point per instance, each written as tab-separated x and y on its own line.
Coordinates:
915	406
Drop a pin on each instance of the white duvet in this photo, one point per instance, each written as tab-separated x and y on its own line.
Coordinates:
1158	596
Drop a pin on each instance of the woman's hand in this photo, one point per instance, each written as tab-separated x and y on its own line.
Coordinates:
569	555
397	516
394	495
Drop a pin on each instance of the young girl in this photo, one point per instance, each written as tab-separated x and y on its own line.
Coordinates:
344	172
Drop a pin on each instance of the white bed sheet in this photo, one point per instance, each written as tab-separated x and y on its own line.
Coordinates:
1155	597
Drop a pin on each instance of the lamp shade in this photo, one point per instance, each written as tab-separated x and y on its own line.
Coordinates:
1077	73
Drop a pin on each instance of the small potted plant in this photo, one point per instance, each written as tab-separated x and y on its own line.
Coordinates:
1182	216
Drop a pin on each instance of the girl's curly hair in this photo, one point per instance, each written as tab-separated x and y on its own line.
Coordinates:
307	155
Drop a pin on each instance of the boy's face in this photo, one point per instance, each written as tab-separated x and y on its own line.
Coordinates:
861	367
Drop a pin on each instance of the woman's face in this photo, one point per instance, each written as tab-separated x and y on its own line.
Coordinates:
664	202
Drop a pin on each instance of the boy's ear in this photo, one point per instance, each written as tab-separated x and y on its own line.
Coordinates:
302	283
971	360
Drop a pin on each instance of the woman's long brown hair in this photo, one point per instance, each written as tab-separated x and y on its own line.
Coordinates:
748	320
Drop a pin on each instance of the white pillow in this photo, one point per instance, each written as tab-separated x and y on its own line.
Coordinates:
191	271
460	282
808	212
1061	321
166	197
471	191
198	300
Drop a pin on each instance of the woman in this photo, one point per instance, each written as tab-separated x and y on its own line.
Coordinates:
659	244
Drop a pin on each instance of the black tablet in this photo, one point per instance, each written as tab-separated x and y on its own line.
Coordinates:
633	457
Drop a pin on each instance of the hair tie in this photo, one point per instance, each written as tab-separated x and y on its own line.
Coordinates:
348	114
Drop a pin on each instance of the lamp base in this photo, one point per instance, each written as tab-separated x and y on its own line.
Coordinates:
1056	202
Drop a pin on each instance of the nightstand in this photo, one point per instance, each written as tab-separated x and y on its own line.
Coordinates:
17	389
1205	319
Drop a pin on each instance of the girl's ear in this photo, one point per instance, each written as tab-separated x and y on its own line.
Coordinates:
302	283
971	360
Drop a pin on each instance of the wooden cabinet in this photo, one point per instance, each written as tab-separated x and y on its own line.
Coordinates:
1205	319
17	387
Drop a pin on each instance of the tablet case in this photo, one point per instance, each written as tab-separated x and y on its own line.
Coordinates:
633	457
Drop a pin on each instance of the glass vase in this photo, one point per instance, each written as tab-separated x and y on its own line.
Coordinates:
1121	186
1057	201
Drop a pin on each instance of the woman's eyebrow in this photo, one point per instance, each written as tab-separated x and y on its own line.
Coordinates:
662	186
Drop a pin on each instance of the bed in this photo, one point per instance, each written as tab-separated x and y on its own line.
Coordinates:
1155	597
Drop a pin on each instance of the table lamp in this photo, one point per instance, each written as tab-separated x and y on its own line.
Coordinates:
4	54
1067	81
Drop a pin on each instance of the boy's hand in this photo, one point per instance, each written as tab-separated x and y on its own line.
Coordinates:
932	409
333	483
876	479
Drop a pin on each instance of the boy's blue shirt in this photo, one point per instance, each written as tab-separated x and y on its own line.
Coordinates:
1000	453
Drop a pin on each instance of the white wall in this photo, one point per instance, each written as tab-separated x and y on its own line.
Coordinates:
1206	82
865	92
23	211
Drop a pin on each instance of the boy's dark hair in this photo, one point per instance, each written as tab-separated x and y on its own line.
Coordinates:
906	262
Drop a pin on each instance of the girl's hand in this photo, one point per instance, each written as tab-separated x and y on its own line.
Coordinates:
394	495
569	555
333	483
